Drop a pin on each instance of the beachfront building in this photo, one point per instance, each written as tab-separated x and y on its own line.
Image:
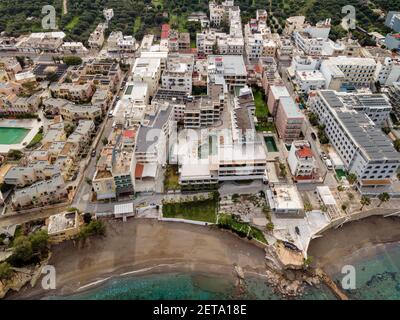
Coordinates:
284	200
63	226
364	149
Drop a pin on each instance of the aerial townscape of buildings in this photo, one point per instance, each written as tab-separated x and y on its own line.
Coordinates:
308	125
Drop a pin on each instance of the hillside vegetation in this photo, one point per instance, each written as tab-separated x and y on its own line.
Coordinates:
137	17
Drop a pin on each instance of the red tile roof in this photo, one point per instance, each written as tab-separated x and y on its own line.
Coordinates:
304	152
165	31
139	170
129	133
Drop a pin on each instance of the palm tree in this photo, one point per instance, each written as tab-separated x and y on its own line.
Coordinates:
365	201
352	178
383	197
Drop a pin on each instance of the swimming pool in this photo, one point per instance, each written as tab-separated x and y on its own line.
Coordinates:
12	135
271	145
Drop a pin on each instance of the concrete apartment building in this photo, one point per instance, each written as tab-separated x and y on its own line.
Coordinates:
96	38
285	199
228	71
178	74
289	120
202	112
302	163
306	81
339	71
75	112
274	95
25	176
148	71
38	42
42	193
394	96
74	48
72	91
364	149
63	226
211	42
220	12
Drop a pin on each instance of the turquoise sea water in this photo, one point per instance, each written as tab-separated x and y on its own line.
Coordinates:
377	277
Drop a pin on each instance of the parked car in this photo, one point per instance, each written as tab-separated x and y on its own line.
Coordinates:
323	156
314	136
329	164
93	153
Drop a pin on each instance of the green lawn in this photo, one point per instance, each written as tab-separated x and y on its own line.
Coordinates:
200	210
261	106
72	23
36	139
137	24
171	181
265	126
242	229
178	21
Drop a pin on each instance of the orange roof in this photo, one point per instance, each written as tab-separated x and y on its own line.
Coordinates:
139	170
305	152
258	68
375	182
129	133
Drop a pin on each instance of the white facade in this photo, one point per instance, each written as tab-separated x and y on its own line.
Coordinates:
148	71
301	160
364	149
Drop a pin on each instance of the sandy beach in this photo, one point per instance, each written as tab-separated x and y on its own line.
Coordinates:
353	241
146	246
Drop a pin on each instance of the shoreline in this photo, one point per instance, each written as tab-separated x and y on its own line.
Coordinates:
354	241
193	249
180	248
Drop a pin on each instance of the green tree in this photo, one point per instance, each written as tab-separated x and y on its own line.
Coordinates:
94	227
350	196
383	197
22	250
365	201
72	60
270	226
352	178
313	119
5	271
39	241
308	206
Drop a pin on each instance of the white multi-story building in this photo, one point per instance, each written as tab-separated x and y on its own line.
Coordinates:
308	44
178	74
309	80
387	71
302	163
349	70
148	71
226	70
364	149
41	193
